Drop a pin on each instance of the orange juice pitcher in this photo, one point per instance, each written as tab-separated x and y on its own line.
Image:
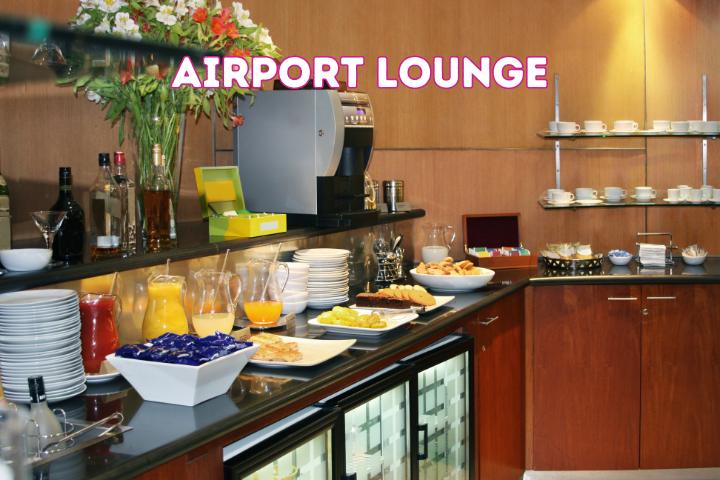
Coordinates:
262	292
165	306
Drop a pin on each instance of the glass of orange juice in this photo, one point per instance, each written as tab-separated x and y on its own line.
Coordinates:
262	292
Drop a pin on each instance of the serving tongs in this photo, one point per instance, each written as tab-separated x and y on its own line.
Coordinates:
55	446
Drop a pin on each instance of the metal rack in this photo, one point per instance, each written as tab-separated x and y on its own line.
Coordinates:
641	133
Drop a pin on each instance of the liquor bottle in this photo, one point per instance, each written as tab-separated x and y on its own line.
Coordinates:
70	238
105	212
156	202
45	423
127	192
5	230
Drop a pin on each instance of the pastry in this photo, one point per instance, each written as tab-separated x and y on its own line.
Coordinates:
416	294
447	267
273	349
378	300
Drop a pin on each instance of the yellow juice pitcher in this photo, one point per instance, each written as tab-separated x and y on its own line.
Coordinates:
165	308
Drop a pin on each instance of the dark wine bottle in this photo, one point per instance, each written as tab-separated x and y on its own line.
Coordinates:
70	238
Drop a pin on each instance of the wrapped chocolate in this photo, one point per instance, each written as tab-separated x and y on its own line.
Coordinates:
183	349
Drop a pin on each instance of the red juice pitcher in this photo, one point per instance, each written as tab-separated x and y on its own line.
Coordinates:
99	333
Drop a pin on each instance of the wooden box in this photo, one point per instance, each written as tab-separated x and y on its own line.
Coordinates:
495	230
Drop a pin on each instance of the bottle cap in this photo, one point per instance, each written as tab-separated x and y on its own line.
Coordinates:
119	158
37	389
104	159
65	174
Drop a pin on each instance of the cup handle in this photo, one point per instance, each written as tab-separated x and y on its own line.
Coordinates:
604	126
595	194
635	125
577	127
572	196
453	234
624	193
654	193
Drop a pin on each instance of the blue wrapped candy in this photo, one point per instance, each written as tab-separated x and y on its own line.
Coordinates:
183	349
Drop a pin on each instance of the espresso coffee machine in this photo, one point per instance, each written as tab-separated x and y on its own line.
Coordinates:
305	153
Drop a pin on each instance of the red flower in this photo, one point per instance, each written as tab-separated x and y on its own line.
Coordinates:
221	24
231	31
200	14
237	120
217	26
145	27
127	74
238	52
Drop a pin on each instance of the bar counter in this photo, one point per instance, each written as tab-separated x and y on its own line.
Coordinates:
261	396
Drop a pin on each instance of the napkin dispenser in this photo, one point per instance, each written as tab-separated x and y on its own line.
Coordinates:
493	241
223	204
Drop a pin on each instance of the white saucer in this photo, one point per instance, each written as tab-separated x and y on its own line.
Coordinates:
559	204
93	378
593	132
696	201
644	199
613	200
674	202
589	201
624	132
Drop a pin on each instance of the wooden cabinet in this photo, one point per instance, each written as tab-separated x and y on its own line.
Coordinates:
586	377
499	390
680	421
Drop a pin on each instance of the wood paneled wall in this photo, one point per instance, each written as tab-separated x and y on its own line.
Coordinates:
459	151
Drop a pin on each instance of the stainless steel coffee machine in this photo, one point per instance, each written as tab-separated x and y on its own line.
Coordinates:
305	153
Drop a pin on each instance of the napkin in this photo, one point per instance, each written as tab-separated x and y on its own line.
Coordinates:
652	255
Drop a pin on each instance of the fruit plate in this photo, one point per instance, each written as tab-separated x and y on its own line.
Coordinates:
393	321
314	352
440	300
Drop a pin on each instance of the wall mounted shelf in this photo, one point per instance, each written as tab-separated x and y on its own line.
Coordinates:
639	134
548	206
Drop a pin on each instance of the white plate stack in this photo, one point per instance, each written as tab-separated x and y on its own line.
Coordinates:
40	335
328	276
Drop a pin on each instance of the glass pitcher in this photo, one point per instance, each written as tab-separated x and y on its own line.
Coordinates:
438	241
99	334
214	305
165	306
262	291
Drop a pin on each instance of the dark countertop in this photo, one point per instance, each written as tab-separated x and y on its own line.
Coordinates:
193	242
161	432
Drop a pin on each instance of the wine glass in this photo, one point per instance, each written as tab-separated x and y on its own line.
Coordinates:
49	222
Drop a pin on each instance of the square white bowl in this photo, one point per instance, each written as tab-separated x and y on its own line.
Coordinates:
182	384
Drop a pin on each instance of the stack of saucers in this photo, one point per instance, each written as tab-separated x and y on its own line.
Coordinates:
328	277
40	335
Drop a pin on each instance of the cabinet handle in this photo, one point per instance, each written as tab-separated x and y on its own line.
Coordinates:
622	299
489	320
661	298
424	430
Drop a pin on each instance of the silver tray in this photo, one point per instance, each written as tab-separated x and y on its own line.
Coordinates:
571	264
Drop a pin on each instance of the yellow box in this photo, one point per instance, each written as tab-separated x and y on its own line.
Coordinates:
220	191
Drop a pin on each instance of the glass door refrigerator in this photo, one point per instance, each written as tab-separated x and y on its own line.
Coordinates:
411	420
295	448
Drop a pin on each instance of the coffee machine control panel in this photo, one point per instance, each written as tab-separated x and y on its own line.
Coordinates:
357	109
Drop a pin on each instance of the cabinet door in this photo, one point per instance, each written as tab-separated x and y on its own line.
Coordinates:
586	377
681	377
376	437
443	420
499	390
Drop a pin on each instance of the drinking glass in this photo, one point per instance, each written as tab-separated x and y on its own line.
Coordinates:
49	222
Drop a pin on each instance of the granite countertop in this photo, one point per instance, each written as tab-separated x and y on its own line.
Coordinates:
161	432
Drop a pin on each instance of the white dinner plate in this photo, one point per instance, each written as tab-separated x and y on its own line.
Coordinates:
93	378
394	320
440	300
314	352
324	304
28	298
323	252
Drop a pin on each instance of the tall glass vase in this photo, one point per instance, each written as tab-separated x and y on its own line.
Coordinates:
166	127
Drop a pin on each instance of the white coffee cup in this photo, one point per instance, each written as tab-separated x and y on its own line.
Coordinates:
594	126
550	191
696	125
706	192
684	192
679	127
644	192
562	197
625	125
673	194
695	195
585	193
661	125
615	193
712	126
716	195
552	126
568	127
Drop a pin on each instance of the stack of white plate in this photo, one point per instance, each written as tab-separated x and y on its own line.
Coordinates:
328	276
40	335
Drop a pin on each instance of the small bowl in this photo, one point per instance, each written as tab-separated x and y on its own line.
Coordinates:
295	296
620	261
25	259
294	307
694	260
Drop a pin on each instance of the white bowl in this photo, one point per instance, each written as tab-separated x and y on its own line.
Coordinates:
294	307
25	259
454	283
620	261
182	384
291	296
694	260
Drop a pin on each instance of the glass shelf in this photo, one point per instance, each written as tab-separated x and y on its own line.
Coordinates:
640	133
631	203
